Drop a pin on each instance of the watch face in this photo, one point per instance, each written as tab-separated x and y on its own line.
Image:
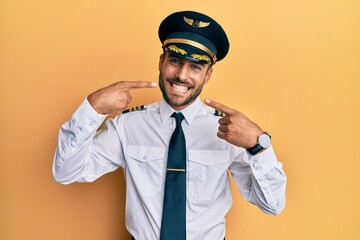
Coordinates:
264	140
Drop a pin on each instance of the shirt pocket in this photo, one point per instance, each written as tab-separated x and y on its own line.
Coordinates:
207	171
146	166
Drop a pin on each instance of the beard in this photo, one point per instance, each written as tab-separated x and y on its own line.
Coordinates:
177	102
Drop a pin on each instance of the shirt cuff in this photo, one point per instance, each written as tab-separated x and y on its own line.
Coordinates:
263	162
86	115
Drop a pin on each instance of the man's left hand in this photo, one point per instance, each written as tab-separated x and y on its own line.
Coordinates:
235	127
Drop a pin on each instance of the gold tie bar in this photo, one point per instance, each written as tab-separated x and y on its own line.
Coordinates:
175	170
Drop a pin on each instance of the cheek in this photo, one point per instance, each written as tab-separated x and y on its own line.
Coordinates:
207	76
167	72
201	79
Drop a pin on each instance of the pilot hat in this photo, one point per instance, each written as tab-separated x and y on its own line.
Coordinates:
194	36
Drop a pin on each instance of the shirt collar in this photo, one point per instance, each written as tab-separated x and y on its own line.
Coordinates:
189	112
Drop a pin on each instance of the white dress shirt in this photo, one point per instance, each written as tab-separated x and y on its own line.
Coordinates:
138	142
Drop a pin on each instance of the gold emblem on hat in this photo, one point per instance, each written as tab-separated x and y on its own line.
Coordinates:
196	23
176	49
201	57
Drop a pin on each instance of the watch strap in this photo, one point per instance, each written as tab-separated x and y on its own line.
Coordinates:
255	149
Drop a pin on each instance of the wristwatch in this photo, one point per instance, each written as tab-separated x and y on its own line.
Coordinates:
264	141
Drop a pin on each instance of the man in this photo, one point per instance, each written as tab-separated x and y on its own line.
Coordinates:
175	153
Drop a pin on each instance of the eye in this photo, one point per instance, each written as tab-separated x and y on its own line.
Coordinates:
174	60
196	67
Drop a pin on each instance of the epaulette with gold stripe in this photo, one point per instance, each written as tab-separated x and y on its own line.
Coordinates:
134	109
218	113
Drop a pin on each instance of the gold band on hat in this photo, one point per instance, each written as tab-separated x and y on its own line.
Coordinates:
191	43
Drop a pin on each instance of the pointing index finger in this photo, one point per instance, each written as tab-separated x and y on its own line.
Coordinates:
220	107
139	84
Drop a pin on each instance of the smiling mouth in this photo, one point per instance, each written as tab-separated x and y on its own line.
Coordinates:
178	87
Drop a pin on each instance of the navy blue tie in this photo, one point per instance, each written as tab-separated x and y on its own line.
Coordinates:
173	224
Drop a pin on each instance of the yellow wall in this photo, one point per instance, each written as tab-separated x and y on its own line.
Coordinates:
293	67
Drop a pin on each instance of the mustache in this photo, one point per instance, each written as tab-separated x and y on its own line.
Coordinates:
179	81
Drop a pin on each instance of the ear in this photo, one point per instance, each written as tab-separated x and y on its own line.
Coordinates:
208	75
161	60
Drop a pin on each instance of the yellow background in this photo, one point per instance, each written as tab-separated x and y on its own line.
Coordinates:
293	68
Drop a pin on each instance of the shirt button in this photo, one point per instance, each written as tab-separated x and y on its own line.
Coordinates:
257	167
71	121
144	157
92	122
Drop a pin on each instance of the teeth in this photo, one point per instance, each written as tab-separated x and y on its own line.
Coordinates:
179	88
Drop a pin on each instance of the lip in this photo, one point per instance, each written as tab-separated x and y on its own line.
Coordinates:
179	87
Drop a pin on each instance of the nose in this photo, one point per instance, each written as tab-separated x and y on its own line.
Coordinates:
183	72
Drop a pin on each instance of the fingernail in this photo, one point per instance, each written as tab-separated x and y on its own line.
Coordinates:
153	84
207	100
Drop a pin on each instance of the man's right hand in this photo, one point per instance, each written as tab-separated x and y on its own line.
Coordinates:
115	98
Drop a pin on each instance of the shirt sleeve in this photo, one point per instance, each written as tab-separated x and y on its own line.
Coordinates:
261	180
85	153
